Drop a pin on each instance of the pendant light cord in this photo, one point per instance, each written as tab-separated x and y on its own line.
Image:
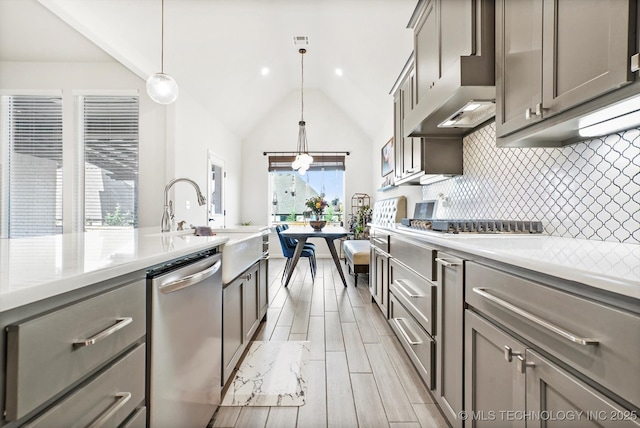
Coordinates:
302	52
162	42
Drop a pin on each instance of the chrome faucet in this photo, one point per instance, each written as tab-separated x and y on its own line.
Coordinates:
167	216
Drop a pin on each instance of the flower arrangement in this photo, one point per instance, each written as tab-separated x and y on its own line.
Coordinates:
317	205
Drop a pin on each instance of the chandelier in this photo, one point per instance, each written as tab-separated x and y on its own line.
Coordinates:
303	159
161	87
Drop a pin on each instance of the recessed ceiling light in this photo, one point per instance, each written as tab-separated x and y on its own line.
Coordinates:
339	71
264	71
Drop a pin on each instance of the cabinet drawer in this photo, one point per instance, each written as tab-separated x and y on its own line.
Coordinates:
418	344
418	257
380	240
137	420
597	340
415	292
49	353
109	398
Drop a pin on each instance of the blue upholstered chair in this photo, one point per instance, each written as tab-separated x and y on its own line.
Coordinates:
289	248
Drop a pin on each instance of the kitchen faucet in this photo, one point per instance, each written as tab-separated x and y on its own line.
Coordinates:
167	216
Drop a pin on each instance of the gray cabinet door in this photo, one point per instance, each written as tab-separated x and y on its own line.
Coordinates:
251	304
457	37
585	51
450	336
232	335
555	392
381	278
263	288
398	146
373	272
493	383
407	143
427	52
518	64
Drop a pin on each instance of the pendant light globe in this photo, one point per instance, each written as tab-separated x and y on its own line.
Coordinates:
162	88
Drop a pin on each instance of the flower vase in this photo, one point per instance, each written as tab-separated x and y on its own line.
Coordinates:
317	224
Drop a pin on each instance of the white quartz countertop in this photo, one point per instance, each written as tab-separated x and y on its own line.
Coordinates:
609	266
36	268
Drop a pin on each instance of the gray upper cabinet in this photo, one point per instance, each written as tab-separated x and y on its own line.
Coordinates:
556	60
519	64
427	52
454	45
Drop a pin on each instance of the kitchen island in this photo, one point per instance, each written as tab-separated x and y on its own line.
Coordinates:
77	315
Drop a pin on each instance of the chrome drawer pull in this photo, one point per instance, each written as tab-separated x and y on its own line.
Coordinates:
190	280
542	323
446	263
404	287
121	400
119	325
404	333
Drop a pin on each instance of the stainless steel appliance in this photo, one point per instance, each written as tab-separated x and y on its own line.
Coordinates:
185	347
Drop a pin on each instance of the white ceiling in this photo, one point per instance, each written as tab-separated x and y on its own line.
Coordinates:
216	49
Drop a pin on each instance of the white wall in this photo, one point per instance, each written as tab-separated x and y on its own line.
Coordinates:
193	131
328	129
86	78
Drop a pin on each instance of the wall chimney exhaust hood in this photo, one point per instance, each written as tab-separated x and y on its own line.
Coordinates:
463	97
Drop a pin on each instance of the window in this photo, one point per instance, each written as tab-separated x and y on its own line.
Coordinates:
109	138
31	166
289	190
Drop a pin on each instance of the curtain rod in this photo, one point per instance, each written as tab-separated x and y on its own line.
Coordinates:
330	152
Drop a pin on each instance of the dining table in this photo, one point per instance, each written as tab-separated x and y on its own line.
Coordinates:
302	234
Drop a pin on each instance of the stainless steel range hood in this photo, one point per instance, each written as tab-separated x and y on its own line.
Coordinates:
464	95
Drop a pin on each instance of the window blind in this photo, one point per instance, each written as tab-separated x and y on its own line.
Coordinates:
31	165
110	142
328	162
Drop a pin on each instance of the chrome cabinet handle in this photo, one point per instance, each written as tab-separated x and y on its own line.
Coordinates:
446	263
522	364
119	325
405	334
247	276
121	400
190	280
509	354
528	113
482	291
404	287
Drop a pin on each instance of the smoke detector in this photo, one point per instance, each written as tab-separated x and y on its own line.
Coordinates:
300	40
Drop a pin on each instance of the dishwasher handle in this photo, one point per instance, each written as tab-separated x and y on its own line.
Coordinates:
185	282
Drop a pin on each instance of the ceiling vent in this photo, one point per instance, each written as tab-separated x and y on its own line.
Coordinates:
300	40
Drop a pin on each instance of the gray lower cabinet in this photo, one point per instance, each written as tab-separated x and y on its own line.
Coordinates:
493	383
571	358
244	303
380	279
77	359
510	385
263	288
449	336
555	392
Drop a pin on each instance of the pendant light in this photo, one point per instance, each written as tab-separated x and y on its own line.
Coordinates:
303	159
160	86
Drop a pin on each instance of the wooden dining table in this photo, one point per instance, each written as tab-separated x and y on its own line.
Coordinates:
328	233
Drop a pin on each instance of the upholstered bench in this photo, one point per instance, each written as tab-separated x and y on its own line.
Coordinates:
386	212
357	256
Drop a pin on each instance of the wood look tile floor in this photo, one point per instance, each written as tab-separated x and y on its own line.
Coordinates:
358	374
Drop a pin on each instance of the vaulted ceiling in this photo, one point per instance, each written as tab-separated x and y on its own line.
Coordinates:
216	49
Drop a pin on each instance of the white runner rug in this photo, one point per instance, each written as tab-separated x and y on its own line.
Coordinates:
272	374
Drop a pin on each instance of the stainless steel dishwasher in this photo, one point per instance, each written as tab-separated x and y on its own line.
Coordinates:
185	343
